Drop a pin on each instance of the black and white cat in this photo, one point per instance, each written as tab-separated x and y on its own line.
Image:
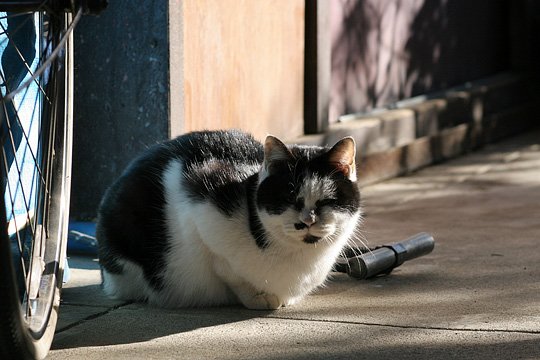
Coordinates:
215	217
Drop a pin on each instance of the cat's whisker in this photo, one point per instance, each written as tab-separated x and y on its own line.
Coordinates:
359	237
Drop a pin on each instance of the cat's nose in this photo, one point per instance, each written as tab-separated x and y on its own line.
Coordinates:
308	217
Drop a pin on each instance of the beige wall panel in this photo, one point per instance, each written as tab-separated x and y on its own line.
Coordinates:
243	66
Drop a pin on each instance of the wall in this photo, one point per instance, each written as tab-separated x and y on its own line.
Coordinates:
243	66
384	51
149	70
121	95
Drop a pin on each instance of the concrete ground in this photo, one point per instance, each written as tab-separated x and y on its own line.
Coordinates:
477	296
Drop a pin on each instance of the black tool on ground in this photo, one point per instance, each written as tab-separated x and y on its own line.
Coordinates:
385	258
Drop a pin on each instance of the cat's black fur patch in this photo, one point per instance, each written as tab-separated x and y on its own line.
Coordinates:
226	192
310	239
216	165
255	226
300	226
131	218
277	193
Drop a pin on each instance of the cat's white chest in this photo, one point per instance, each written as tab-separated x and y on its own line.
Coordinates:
213	255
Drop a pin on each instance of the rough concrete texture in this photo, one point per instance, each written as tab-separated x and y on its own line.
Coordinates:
121	96
477	296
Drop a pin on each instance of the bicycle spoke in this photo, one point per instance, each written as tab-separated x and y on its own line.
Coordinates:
31	257
29	228
18	28
28	8
14	220
20	187
36	84
51	57
22	128
33	75
15	160
12	15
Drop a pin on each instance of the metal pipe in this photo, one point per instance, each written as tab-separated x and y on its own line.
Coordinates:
383	259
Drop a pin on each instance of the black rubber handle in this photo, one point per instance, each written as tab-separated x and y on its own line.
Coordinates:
384	259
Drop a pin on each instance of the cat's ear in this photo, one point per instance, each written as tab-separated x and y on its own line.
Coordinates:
342	157
275	152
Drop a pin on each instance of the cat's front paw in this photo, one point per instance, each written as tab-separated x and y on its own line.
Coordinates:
291	301
263	301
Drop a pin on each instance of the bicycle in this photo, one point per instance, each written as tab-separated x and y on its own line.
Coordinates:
36	105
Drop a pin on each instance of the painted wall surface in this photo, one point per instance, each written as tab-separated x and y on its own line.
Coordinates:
243	64
386	50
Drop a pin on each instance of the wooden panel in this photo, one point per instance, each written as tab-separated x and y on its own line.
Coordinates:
243	66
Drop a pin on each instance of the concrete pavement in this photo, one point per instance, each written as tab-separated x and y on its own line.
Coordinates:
477	296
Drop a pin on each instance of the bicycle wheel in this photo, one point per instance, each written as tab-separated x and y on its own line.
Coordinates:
35	164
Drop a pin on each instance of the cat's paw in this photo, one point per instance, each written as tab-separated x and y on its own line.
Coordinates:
291	301
263	301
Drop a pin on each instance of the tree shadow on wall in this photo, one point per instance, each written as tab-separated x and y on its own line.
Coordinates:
453	42
387	51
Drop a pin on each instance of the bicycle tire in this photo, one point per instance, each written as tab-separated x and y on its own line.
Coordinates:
34	243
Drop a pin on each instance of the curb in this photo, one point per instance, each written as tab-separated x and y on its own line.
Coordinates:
427	129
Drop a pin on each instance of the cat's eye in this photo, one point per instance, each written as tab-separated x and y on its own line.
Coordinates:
291	194
299	204
325	202
290	197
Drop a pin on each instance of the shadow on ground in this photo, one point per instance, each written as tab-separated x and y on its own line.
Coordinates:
141	323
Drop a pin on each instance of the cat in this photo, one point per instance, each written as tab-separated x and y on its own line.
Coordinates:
216	218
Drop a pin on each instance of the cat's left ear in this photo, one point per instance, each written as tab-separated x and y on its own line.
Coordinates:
342	157
275	152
